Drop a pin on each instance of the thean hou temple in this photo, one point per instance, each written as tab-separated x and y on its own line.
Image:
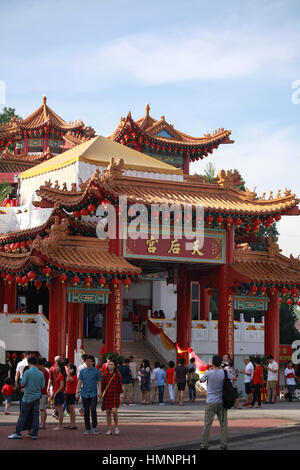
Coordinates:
54	258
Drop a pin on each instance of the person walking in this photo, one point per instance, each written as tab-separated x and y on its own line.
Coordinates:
193	378
44	398
145	374
133	368
111	387
214	402
154	389
20	371
272	368
181	372
170	377
71	387
90	381
258	380
51	382
161	382
59	393
97	329
289	380
82	366
7	391
248	376
234	372
33	382
125	372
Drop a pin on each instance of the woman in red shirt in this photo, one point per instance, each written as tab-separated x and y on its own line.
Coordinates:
58	393
258	380
111	387
71	386
170	376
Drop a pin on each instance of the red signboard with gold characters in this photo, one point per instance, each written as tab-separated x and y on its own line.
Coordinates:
181	250
285	353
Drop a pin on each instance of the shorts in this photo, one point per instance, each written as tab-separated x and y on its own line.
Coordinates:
7	398
181	387
271	384
70	398
59	399
127	387
248	387
43	402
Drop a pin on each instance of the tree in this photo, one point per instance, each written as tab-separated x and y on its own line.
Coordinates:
288	331
7	114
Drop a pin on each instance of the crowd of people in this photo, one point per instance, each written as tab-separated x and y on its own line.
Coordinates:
60	386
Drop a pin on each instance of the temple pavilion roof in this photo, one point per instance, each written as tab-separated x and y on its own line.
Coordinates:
161	137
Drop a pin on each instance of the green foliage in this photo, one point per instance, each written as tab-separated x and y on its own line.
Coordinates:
7	114
210	172
288	331
5	190
263	232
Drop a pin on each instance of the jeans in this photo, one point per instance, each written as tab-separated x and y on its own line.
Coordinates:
161	389
291	389
192	391
256	394
171	388
90	406
211	410
29	411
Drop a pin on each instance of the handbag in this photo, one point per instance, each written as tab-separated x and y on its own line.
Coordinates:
103	393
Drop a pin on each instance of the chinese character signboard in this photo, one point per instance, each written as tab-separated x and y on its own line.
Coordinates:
285	353
247	303
180	250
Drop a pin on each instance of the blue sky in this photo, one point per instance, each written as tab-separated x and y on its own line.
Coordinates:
201	64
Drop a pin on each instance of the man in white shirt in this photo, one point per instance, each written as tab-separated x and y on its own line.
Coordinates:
248	376
272	379
289	379
21	366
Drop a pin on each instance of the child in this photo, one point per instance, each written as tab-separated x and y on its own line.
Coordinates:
7	391
170	376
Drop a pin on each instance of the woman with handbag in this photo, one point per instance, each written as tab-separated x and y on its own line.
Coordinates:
111	387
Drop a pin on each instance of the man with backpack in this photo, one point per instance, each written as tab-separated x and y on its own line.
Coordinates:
215	378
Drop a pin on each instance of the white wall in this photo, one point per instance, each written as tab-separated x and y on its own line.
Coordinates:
164	297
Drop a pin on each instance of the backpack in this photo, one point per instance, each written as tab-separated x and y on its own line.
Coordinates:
229	394
194	377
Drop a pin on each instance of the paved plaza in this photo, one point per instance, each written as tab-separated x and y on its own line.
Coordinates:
154	427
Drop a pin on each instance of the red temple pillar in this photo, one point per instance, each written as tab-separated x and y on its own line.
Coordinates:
272	336
10	296
204	303
184	313
73	323
57	319
1	295
113	320
225	301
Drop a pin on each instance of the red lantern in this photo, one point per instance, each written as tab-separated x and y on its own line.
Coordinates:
9	278
115	282
253	289
289	302
295	292
7	356
272	290
209	219
25	280
19	280
62	277
263	290
75	280
47	271
229	221
238	222
105	203
277	217
31	275
284	291
91	208
84	211
38	284
76	214
220	220
88	281
281	300
3	275
14	356
102	281
298	303
127	282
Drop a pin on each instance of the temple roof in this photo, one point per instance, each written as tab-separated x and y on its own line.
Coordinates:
74	253
98	151
163	135
42	116
267	266
221	197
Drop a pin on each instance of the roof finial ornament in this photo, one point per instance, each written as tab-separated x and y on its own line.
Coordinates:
44	99
147	109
